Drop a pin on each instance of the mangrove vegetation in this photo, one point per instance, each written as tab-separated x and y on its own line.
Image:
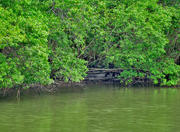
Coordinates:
45	40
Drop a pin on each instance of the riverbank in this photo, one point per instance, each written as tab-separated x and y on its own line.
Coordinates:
94	76
38	88
61	86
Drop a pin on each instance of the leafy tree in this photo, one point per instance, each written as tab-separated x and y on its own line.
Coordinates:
53	39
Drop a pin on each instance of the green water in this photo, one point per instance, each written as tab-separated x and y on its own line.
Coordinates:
94	109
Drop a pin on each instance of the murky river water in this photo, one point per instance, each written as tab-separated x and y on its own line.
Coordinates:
94	109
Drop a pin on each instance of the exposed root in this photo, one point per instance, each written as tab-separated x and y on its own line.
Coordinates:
4	91
18	95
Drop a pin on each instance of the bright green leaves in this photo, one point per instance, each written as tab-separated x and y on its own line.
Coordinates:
26	27
34	65
39	39
141	39
9	73
67	66
131	35
23	44
10	32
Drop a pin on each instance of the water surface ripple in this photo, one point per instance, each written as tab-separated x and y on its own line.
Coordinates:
96	108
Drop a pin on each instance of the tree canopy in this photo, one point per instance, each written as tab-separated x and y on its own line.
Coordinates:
41	40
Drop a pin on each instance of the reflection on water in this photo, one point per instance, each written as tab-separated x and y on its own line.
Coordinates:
95	109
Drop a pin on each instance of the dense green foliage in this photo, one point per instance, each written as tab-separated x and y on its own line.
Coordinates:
41	40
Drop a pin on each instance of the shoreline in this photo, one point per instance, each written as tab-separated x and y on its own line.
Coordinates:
60	86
